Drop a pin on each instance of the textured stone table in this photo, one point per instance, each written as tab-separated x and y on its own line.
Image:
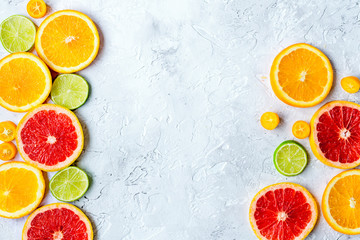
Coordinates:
174	147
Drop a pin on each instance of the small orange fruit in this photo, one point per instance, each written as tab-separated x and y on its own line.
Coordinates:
341	202
269	120
301	129
36	8
7	151
67	41
25	81
350	84
301	75
21	190
7	131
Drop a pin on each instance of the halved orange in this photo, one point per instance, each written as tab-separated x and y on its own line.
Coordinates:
22	188
25	82
67	41
341	202
301	75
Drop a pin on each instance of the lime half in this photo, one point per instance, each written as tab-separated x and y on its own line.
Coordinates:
69	184
17	34
70	91
290	158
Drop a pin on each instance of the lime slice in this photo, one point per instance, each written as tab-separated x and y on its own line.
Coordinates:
69	184
70	91
17	34
290	158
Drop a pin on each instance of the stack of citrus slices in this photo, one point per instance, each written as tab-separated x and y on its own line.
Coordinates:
302	76
49	137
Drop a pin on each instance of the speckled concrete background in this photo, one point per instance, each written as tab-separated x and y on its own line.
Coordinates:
174	146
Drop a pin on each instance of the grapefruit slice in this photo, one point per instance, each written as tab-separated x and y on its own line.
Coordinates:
50	137
335	134
58	221
283	211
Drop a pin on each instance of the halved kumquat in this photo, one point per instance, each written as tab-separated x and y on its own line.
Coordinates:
36	8
7	131
7	151
269	120
350	84
301	129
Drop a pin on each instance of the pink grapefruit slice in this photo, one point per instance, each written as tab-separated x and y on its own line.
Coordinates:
283	211
58	221
50	137
335	134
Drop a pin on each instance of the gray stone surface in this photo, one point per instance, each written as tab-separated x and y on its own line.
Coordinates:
174	146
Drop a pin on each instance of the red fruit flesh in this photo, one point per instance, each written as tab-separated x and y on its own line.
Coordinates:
49	137
56	224
338	134
282	214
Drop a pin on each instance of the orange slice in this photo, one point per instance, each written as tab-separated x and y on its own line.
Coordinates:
36	8
301	75
7	151
301	129
7	131
67	41
341	202
22	188
25	82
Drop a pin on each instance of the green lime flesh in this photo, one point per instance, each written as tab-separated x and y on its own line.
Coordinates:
70	91
69	184
17	34
290	158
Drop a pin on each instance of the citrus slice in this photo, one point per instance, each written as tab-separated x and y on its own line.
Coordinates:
269	120
283	211
50	137
290	158
301	129
57	221
22	188
7	131
335	134
301	75
69	184
7	151
341	202
25	82
70	91
350	84
67	41
17	34
36	8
